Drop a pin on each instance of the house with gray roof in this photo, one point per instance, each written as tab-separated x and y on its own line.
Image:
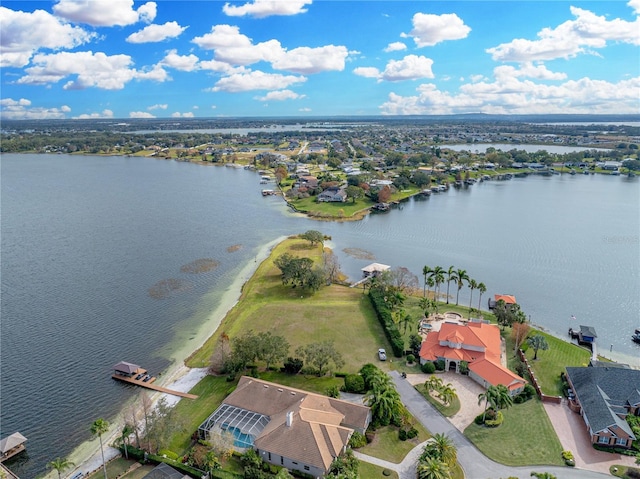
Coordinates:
604	397
287	427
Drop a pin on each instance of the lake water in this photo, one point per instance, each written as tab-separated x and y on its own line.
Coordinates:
482	147
88	244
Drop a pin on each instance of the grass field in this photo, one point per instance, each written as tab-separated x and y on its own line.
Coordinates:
526	437
371	471
337	313
553	361
387	446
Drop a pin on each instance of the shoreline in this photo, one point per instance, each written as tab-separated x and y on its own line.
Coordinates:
178	376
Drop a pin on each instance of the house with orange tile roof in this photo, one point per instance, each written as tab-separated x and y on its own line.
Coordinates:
507	298
478	344
287	427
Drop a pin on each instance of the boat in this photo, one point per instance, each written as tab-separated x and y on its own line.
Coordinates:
635	337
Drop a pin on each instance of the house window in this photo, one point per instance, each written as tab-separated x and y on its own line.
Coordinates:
621	441
281	460
269	456
306	468
603	440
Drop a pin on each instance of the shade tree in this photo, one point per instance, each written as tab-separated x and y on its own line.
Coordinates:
321	355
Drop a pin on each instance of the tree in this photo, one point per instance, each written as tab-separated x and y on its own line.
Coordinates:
427	304
503	399
220	354
98	428
299	272
447	393
271	348
313	237
146	409
432	468
320	355
426	272
385	403
537	342
490	398
441	447
519	331
472	285
127	430
384	195
461	277
438	278
451	274
481	289
60	464
331	267
403	280
354	192
502	313
434	383
211	462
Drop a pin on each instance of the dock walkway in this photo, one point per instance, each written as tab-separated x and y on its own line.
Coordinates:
154	387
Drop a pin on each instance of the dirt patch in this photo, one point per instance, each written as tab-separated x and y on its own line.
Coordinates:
201	265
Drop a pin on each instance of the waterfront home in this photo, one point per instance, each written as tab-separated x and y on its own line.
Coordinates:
332	194
479	345
507	298
287	427
604	396
611	165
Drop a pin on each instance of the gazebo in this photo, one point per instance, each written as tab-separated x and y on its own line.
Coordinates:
11	445
126	369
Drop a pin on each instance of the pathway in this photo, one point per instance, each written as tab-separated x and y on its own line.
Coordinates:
473	462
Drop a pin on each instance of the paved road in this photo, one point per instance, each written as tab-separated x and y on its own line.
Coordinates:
474	463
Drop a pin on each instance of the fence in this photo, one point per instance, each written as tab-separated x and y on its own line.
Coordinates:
543	397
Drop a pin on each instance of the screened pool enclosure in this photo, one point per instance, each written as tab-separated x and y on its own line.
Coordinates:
244	425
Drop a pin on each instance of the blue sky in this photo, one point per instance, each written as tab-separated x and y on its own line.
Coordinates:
126	59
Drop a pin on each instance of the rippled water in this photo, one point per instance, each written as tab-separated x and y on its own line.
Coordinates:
84	239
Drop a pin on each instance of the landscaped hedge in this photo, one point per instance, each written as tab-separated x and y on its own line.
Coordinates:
386	320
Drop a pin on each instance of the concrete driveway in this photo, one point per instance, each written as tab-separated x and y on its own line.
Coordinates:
573	435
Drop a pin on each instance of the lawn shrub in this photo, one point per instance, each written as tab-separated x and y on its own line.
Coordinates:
402	435
354	383
333	392
169	454
428	368
440	364
499	418
383	314
633	473
411	433
357	440
411	358
292	365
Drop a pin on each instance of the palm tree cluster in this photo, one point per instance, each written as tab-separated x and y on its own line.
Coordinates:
446	392
438	458
496	398
382	396
435	277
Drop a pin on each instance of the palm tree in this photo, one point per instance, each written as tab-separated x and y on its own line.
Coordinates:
482	289
127	430
434	383
60	464
447	393
384	404
451	275
98	428
426	271
433	469
431	283
489	398
472	285
461	277
441	447
438	277
503	397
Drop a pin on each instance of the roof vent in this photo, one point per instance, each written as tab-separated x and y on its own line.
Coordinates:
265	386
279	390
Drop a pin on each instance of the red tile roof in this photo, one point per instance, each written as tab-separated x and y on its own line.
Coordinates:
507	298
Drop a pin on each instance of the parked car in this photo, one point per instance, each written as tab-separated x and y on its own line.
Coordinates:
382	354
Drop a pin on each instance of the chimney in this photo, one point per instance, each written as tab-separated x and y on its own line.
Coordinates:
289	418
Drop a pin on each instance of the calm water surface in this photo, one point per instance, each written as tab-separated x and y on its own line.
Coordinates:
84	239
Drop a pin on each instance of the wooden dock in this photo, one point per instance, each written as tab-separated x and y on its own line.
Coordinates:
149	385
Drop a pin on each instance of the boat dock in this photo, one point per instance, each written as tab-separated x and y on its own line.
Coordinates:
134	374
11	445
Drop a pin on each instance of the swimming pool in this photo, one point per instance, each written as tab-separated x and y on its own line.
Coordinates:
240	438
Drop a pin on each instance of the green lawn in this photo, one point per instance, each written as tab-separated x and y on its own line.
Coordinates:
448	410
337	313
192	412
525	438
553	361
371	471
387	446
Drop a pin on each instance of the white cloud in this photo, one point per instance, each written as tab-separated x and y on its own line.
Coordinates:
367	72
475	78
22	34
140	114
266	8
635	4
395	47
429	30
177	114
311	60
280	95
11	109
234	48
220	67
410	67
256	80
514	96
587	31
187	63
304	110
104	13
158	106
527	69
157	73
156	33
91	116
